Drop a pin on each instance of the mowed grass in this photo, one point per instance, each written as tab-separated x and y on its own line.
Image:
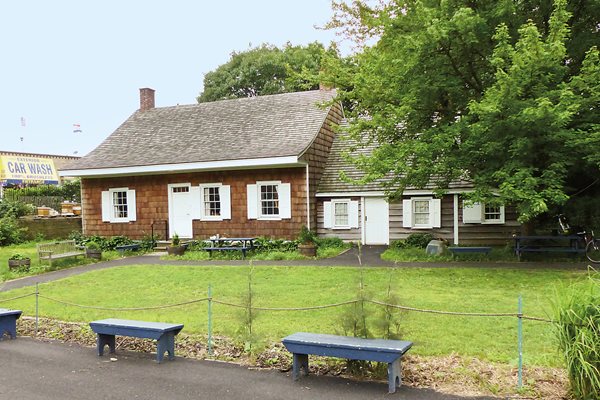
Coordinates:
452	289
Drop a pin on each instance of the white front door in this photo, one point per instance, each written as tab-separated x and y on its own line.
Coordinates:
376	221
180	210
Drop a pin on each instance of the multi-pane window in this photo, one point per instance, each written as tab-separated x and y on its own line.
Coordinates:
340	214
119	204
269	200
492	213
181	189
421	212
211	200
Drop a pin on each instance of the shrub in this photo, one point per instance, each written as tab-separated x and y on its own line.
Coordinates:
14	209
267	244
419	240
577	312
10	231
330	242
307	236
18	256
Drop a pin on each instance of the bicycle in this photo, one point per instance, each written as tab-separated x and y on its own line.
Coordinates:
592	245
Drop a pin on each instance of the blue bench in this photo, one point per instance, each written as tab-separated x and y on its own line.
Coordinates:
388	351
469	250
163	333
549	244
8	322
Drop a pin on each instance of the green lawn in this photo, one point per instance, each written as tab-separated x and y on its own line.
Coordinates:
456	289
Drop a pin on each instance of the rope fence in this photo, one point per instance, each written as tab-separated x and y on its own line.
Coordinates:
210	300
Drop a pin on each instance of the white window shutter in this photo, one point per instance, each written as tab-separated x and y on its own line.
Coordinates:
436	213
252	199
327	215
353	214
196	198
285	200
472	214
131	205
407	213
106	206
225	196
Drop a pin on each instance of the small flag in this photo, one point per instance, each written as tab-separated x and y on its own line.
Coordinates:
76	128
23	124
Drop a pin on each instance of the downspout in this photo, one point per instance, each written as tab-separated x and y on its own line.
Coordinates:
307	198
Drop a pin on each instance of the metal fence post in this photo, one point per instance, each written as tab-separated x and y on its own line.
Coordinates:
37	304
520	334
209	320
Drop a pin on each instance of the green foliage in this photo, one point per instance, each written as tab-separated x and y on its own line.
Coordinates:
69	190
334	242
266	70
15	209
419	240
18	256
148	242
93	246
306	236
266	244
10	231
248	316
501	93
99	242
577	312
175	241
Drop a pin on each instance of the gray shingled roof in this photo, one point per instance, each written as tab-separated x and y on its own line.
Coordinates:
258	127
338	162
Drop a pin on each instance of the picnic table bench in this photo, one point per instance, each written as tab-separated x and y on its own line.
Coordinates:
470	250
8	322
56	250
231	244
548	244
163	333
302	344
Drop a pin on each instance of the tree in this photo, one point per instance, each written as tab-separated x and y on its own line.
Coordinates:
499	92
266	70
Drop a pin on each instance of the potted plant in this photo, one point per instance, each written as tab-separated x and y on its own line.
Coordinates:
308	245
18	261
175	249
93	250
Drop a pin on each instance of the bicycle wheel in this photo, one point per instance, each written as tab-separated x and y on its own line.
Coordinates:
592	251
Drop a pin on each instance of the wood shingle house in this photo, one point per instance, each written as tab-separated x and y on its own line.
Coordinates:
261	166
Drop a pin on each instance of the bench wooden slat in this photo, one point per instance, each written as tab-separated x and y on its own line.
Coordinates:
58	250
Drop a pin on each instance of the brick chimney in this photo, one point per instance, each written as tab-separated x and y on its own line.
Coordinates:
146	99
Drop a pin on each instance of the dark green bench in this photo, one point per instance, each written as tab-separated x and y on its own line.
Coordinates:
381	350
8	322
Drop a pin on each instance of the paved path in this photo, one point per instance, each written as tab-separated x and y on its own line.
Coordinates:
370	258
35	370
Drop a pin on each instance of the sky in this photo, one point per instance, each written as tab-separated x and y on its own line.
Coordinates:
82	62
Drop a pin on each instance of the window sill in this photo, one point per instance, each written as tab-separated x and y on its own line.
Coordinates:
269	218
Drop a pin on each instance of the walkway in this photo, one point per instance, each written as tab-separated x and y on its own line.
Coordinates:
35	370
370	258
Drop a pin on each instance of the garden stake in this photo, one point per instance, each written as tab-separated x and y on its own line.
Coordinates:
520	334
209	320
37	300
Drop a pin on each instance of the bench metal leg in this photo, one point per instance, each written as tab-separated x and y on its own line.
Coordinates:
8	325
394	375
165	343
300	362
104	340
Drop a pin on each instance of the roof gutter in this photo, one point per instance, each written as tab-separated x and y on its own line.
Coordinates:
249	163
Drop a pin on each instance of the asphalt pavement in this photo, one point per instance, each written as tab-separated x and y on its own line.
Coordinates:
42	370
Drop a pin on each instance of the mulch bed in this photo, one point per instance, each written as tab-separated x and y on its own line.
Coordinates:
451	374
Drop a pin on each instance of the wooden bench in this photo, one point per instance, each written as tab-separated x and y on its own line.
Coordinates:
163	333
56	250
548	244
469	250
8	322
389	351
128	247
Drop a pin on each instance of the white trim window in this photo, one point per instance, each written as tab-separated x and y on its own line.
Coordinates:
340	214
118	205
211	202
421	213
269	200
481	213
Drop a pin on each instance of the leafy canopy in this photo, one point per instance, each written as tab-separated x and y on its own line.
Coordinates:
266	70
502	93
